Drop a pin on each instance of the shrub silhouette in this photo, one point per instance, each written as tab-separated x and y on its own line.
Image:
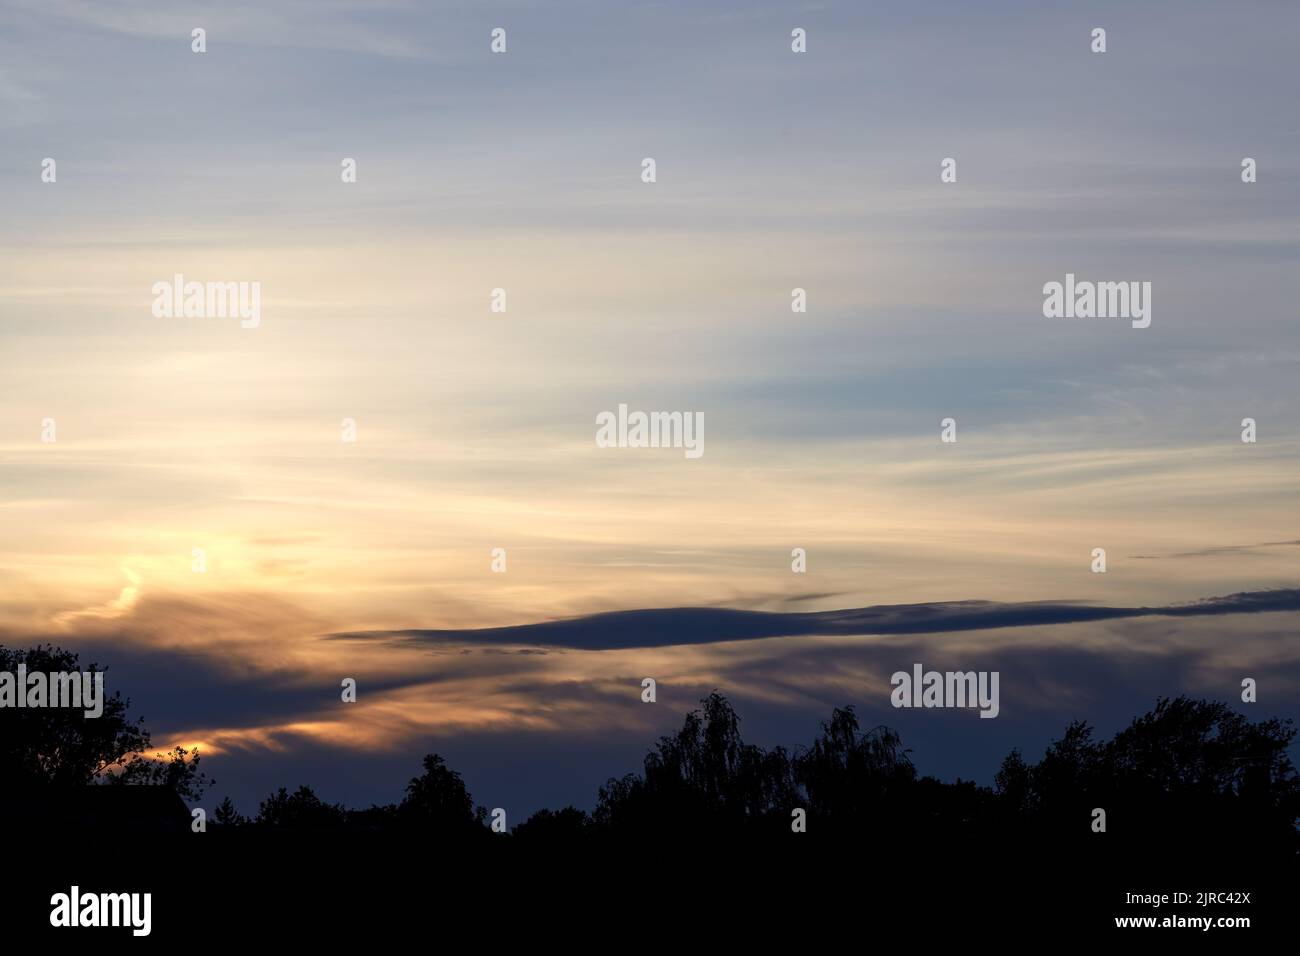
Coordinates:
565	825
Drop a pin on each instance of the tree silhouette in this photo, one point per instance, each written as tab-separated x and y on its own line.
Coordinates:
60	747
227	816
850	778
439	800
301	810
704	776
1170	772
1189	772
177	769
1186	764
566	825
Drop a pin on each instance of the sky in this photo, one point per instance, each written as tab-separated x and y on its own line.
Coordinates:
475	429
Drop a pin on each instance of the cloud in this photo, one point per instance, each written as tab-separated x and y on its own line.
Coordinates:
666	627
1224	549
293	24
119	607
254	681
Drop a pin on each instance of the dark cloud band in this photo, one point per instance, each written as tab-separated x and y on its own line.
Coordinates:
662	627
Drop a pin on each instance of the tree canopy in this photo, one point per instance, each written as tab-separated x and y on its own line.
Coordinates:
61	747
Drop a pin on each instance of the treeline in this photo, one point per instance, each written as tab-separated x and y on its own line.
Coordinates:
1190	771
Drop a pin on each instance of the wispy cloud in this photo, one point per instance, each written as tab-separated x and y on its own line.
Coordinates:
378	28
1222	549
